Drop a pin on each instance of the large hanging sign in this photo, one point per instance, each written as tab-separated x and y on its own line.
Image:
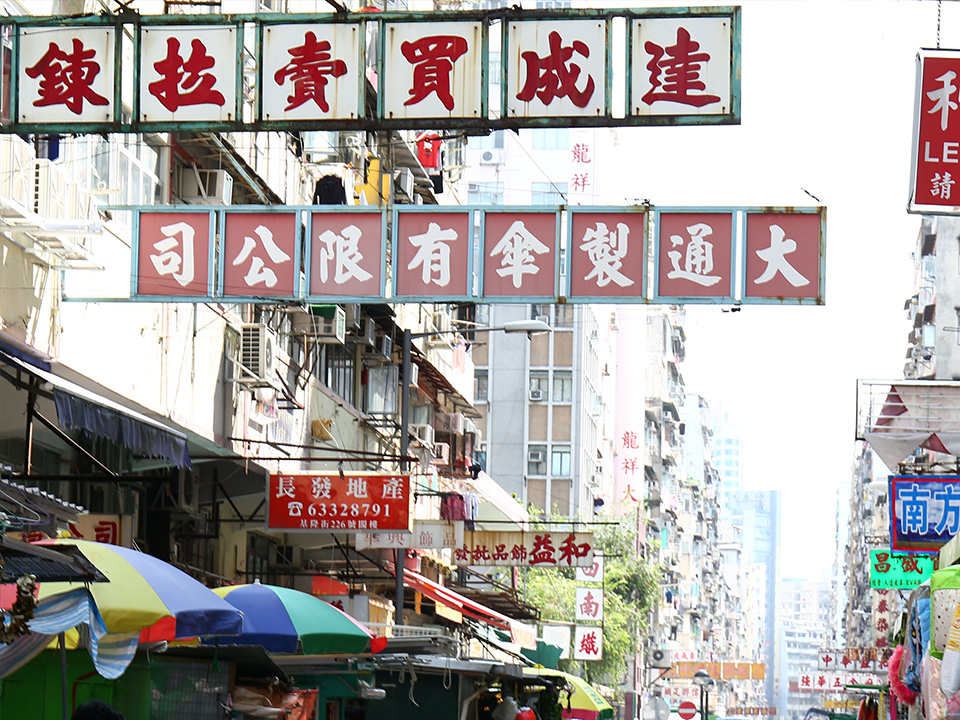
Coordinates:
556	68
924	512
532	549
252	254
898	571
351	502
935	161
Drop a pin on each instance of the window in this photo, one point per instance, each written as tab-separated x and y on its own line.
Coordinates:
485	193
548	193
493	141
562	387
560	461
551	138
480	380
540	386
537	460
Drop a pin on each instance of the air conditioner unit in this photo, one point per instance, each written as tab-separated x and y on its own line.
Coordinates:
543	318
207	187
423	434
535	456
369	334
661	659
258	356
354	318
450	423
491	157
441	321
536	395
405	182
323	324
414	375
441	453
473	187
385	346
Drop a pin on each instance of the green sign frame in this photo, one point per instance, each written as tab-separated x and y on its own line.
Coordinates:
900	572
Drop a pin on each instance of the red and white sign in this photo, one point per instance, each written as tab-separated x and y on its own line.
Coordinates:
433	69
330	502
520	254
589	604
593	574
433	254
681	66
66	75
188	73
694	253
557	68
260	254
311	72
607	254
783	252
345	254
173	254
542	548
588	642
936	133
687	710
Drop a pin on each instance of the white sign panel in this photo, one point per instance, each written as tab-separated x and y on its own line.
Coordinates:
556	68
589	604
311	72
432	70
559	635
425	536
681	66
66	75
188	74
592	574
588	642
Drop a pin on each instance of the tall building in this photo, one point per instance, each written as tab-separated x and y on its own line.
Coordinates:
757	513
804	619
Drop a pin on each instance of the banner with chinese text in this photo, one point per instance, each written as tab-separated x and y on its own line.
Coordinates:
719	671
192	254
588	642
855	660
936	134
898	571
352	502
556	69
924	512
535	549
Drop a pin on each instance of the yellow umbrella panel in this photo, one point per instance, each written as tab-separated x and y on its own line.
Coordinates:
585	702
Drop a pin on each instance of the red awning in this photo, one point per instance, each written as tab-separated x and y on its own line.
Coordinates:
438	593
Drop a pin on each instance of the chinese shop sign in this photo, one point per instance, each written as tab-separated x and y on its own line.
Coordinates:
588	642
936	134
556	69
211	254
898	571
425	535
352	502
534	549
721	671
924	512
855	660
589	604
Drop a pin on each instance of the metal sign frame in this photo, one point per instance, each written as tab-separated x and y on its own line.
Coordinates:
367	117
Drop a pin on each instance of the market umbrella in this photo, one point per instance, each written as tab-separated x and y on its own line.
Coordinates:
284	620
147	595
585	702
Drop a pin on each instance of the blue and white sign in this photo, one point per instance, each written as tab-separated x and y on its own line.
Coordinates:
924	512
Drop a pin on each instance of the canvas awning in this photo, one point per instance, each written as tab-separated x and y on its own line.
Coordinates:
897	417
79	408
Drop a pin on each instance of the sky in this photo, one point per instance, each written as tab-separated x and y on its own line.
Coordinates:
827	105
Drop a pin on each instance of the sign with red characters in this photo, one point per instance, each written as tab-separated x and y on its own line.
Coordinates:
936	134
352	502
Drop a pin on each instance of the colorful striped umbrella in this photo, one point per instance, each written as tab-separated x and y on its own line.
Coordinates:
284	620
149	595
585	702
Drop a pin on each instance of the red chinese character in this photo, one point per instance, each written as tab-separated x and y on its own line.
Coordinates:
682	77
592	570
630	440
309	68
882	566
821	680
519	552
462	553
827	659
882	625
106	531
543	550
805	680
550	77
580	181
480	552
910	564
588	643
629	495
882	606
67	77
500	553
569	550
589	606
189	75
630	465
581	154
433	58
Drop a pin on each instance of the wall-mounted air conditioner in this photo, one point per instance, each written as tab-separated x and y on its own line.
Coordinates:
414	375
405	182
661	659
491	157
385	346
257	356
369	334
323	324
354	317
441	453
206	187
536	395
535	456
423	434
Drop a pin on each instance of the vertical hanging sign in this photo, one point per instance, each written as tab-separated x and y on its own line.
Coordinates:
935	161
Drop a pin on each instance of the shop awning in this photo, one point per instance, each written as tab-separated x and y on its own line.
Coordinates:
441	595
81	409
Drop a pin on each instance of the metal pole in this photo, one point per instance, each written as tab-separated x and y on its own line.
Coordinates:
703	705
63	675
404	447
